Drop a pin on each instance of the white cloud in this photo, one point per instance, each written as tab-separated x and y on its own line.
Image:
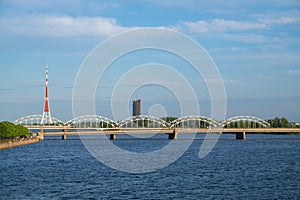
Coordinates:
264	22
219	25
247	38
225	25
280	21
294	72
61	26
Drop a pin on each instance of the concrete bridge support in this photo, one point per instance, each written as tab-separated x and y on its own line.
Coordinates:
112	136
64	135
241	135
173	135
41	134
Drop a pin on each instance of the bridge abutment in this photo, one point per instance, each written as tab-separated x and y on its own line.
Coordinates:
41	134
241	135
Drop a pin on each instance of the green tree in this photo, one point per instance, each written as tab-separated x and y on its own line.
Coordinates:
169	119
285	123
10	130
270	121
276	122
241	124
246	124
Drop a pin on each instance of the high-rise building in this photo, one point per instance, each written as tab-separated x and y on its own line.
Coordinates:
136	107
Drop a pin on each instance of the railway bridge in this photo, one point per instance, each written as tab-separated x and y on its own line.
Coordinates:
145	124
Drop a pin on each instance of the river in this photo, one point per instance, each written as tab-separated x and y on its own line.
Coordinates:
262	167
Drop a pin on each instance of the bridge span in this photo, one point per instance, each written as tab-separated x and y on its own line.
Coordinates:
172	133
144	124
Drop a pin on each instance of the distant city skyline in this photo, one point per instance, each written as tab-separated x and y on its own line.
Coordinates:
255	45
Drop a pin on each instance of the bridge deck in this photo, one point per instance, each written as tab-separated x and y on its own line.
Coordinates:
92	131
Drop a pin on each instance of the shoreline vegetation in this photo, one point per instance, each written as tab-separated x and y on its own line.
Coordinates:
12	135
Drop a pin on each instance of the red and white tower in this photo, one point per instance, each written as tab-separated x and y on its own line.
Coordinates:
46	118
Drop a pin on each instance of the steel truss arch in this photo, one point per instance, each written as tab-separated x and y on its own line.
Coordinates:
32	120
143	121
194	122
234	119
91	121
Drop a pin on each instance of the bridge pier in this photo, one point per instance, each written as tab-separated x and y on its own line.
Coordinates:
173	135
41	134
112	136
241	135
64	135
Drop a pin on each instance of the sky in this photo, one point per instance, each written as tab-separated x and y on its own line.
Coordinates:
255	45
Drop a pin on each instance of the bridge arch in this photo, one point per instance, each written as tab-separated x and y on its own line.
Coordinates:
91	121
143	121
32	120
244	122
194	122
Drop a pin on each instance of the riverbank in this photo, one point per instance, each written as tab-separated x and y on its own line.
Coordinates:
20	142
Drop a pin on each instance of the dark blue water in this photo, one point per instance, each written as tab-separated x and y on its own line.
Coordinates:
264	166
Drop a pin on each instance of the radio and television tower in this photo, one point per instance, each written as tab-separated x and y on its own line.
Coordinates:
46	118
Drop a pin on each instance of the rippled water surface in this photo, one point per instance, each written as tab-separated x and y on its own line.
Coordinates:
263	166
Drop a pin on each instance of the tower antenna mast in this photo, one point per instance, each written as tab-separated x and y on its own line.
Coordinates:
46	118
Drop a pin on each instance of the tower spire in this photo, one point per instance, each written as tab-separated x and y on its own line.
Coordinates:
46	118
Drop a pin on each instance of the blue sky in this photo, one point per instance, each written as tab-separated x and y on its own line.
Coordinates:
255	44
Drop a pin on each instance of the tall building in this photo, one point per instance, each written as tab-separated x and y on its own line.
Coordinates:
136	107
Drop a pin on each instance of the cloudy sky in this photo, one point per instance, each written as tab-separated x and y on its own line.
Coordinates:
255	45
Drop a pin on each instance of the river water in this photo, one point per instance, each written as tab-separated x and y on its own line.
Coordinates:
262	167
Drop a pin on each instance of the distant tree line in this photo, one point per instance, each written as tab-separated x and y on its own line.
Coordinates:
169	119
277	122
280	123
9	130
